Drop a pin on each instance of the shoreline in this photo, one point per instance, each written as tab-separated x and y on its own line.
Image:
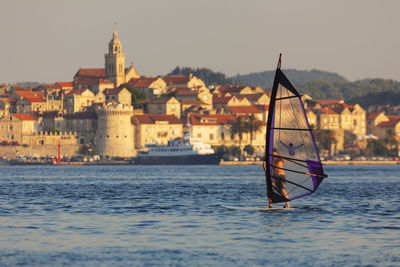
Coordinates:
327	162
222	163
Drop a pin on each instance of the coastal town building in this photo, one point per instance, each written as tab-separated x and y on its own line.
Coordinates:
77	99
189	81
156	129
214	129
120	95
114	133
152	87
164	105
112	75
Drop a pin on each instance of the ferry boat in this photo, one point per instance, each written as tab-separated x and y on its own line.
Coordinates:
179	151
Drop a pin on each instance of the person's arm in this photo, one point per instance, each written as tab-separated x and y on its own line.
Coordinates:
287	147
299	146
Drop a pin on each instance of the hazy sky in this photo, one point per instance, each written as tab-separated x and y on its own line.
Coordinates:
48	40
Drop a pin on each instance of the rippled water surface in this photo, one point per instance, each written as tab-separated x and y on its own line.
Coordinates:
178	216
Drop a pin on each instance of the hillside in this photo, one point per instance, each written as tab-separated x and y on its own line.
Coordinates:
265	79
348	90
377	98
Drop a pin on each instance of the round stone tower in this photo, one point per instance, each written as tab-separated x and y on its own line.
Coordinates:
114	135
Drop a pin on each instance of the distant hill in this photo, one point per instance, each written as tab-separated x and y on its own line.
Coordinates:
348	90
377	98
318	84
265	79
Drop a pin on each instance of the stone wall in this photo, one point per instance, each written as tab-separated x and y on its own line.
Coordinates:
41	150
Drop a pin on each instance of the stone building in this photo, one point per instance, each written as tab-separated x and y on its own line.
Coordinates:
201	93
77	99
84	123
120	95
112	75
178	81
18	128
152	87
169	106
214	129
156	129
28	101
114	134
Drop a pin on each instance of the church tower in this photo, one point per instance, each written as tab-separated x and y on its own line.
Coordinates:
115	61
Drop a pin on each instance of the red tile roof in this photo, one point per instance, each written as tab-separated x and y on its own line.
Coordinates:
222	100
390	123
24	117
83	115
243	109
188	101
31	96
65	84
328	111
177	79
114	91
214	119
262	107
100	73
143	82
372	116
91	81
152	118
393	117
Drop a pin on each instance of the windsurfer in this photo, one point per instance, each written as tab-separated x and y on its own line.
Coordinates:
291	148
279	176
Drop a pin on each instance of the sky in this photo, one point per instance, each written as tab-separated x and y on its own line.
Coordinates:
49	40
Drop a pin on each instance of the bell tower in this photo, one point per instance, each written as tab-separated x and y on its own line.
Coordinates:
115	61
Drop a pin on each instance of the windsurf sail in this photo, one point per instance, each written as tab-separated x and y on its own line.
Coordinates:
292	164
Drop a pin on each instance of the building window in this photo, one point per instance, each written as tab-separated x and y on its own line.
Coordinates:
211	136
199	135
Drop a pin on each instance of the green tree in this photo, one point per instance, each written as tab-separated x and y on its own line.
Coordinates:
392	141
137	95
235	151
253	126
249	149
324	139
377	148
238	127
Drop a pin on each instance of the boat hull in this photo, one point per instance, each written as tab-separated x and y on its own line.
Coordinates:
210	159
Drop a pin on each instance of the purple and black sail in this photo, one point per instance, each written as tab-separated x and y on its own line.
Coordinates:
296	163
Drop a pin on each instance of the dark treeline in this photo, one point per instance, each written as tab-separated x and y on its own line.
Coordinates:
265	79
377	98
207	75
350	91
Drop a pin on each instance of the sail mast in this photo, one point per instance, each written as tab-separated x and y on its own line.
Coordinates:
269	136
289	135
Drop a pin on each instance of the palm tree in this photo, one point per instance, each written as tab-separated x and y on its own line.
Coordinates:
238	127
392	141
253	125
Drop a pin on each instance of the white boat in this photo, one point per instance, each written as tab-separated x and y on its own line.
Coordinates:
179	151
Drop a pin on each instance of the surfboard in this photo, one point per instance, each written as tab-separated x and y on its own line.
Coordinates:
256	208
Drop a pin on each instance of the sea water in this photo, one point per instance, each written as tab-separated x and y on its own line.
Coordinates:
177	216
